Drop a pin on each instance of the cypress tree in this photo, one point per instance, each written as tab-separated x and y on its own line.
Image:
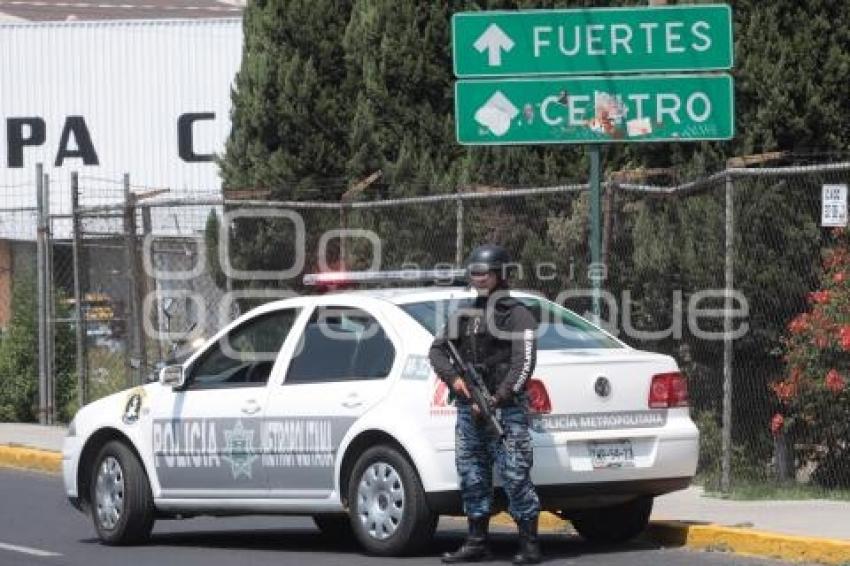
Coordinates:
291	110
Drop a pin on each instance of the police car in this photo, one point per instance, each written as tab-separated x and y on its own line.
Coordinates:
327	406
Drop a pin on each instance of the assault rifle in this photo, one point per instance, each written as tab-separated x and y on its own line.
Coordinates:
477	390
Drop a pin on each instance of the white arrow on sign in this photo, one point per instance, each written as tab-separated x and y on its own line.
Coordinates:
494	40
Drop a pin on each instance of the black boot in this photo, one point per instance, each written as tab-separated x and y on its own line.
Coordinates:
474	548
529	545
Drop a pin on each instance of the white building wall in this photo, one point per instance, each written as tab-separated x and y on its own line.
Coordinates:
127	84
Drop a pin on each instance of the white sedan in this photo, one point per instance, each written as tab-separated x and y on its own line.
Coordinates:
327	406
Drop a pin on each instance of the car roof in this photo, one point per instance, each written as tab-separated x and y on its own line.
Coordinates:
405	294
393	295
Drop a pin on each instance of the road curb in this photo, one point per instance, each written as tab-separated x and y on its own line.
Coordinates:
547	522
717	538
12	456
749	541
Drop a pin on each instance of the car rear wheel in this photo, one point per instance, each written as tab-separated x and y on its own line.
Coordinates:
618	523
389	513
122	505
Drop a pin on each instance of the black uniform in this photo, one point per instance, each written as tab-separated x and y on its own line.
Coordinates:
497	335
505	357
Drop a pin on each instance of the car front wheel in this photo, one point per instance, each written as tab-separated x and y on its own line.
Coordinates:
389	513
122	505
615	524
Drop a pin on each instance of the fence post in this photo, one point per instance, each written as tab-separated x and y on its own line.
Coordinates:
134	314
150	281
40	247
459	240
82	365
726	465
50	308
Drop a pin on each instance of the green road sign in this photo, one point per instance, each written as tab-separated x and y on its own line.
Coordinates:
592	41
595	109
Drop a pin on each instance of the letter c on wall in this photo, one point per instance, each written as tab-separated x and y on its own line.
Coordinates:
185	136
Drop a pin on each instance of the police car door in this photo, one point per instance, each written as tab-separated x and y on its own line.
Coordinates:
206	437
340	367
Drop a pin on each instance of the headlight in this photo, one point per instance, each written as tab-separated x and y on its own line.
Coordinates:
72	428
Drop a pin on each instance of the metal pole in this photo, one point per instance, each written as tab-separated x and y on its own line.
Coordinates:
459	241
725	480
608	221
343	263
150	285
595	231
134	309
82	366
50	310
40	248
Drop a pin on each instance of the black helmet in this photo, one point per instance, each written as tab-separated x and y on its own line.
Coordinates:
488	257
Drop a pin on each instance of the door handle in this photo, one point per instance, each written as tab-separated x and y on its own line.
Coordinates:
353	400
251	407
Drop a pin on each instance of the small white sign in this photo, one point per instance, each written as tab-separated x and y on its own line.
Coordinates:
834	202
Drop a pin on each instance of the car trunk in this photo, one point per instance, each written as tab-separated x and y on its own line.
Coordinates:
595	396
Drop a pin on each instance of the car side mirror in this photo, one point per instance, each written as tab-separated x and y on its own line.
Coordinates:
172	376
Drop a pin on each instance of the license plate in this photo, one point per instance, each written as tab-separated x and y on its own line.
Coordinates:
616	454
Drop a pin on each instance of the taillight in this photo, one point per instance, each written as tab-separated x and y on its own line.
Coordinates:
668	390
538	397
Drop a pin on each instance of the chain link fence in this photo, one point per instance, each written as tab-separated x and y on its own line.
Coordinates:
135	276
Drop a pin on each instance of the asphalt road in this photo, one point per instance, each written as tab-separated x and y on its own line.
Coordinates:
35	517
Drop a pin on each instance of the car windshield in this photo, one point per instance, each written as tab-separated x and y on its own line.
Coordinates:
560	328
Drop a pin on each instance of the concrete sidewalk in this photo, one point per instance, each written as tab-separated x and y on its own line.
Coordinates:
32	436
810	530
811	517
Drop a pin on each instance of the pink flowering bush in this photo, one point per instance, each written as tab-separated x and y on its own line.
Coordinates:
813	395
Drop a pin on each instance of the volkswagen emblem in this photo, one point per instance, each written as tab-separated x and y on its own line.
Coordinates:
602	386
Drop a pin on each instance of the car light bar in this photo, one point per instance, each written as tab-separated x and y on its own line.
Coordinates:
445	276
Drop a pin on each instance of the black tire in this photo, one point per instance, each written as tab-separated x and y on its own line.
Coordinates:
614	524
125	491
381	526
335	527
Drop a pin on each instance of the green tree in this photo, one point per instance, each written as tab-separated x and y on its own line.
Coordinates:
19	358
211	236
291	110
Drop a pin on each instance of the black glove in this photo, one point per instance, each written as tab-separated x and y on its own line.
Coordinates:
504	396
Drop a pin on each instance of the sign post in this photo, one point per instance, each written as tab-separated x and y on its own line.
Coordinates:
594	273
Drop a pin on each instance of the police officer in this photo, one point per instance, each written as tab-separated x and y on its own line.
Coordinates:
497	335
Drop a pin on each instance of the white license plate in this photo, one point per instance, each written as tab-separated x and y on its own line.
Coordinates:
611	454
